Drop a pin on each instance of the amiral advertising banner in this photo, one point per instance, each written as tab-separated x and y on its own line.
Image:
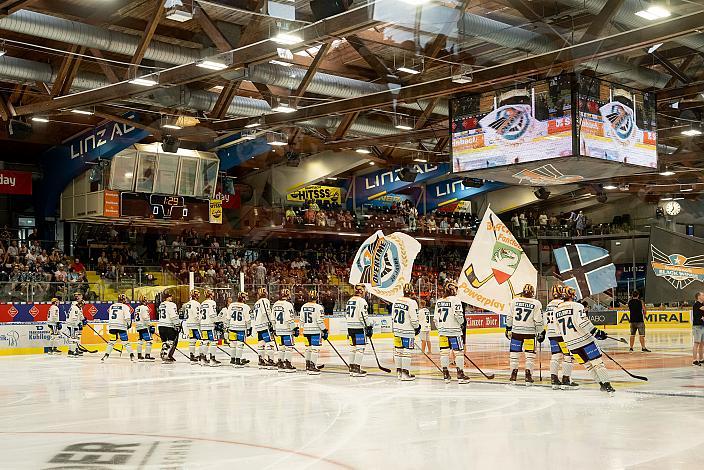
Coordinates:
379	183
675	269
316	192
496	268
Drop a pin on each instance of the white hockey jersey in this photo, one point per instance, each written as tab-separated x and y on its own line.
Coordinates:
119	317
208	314
424	319
75	315
53	315
239	316
224	315
573	325
449	316
312	318
356	313
526	316
191	310
262	314
283	313
168	314
142	317
405	317
550	318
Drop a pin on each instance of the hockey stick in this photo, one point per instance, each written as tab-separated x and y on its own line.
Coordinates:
270	327
304	356
638	377
620	340
80	346
378	364
489	376
338	353
104	340
428	357
540	359
175	342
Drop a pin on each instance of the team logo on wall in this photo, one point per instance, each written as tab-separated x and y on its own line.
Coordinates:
545	175
385	263
620	119
677	269
510	122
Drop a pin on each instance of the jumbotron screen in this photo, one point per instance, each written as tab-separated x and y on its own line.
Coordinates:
516	125
616	123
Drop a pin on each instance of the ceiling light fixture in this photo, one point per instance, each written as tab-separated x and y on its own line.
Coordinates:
408	70
177	12
172	126
654	48
686	190
281	63
653	13
286	37
416	2
666	198
141	81
211	65
363	151
82	111
39	119
254	123
610	186
277	139
420	160
692	132
667	171
283	107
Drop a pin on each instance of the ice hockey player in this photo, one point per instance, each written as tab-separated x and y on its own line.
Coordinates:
286	329
559	354
358	329
404	312
143	324
239	328
54	324
264	329
208	317
314	331
191	312
223	319
74	324
524	324
119	322
169	325
449	316
579	333
424	320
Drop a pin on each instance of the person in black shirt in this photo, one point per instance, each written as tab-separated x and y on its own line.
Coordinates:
636	317
698	329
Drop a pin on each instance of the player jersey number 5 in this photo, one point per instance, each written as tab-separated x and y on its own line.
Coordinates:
113	312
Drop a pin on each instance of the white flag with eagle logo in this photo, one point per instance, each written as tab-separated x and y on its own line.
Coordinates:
384	263
496	268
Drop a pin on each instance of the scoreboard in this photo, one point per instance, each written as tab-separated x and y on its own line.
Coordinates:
164	207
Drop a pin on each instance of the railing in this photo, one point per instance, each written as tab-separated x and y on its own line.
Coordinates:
38	291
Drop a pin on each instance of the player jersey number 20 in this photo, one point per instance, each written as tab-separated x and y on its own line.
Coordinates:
399	315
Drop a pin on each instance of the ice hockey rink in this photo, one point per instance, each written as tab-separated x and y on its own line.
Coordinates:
61	413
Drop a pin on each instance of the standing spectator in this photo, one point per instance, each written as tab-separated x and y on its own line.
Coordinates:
516	224
543	222
524	225
636	317
698	330
260	274
12	250
412	218
580	223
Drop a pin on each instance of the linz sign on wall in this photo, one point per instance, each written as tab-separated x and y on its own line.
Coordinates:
15	182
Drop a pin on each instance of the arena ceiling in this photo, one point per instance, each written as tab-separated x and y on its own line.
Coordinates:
348	78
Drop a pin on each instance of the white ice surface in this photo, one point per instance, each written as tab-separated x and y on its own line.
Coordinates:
191	417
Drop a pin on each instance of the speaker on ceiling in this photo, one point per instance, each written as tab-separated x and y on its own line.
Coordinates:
19	129
407	174
170	144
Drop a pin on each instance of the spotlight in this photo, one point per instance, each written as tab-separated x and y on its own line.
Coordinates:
610	186
541	193
170	144
407	174
476	183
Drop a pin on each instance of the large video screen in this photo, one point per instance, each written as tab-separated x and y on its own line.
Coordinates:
616	123
517	125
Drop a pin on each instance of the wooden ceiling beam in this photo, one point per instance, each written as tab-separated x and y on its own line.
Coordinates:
146	38
382	71
310	73
211	29
122	120
344	126
107	70
64	71
602	20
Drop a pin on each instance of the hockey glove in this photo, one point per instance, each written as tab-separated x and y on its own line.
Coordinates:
541	336
325	335
58	326
369	331
417	330
249	332
85	322
508	332
600	334
152	330
296	332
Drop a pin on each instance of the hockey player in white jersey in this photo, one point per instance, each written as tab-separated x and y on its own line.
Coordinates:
223	319
119	322
579	333
191	312
239	328
143	325
424	320
53	321
523	324
286	330
263	326
358	329
559	354
449	316
208	317
314	331
169	325
404	313
74	324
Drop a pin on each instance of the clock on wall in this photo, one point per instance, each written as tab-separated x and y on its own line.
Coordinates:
672	208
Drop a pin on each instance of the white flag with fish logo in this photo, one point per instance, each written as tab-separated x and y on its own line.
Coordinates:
384	263
496	268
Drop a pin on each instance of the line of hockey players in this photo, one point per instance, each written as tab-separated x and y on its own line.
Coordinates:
565	323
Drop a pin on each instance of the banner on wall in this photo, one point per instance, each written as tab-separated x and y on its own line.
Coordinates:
215	211
37	311
389	200
111	203
15	182
316	192
379	183
446	192
675	270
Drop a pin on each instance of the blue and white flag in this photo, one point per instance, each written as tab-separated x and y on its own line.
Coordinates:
588	269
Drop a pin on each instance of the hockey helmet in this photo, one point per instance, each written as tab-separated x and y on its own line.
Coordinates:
122	298
167	295
195	295
408	289
262	293
143	299
285	293
557	291
242	297
54	300
209	294
528	291
569	293
450	287
312	295
360	290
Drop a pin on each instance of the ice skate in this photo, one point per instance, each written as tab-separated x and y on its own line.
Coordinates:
214	362
271	365
406	376
140	358
314	370
461	378
244	362
555	382
204	360
148	358
102	359
193	359
288	367
168	360
567	383
132	358
280	365
529	378
514	376
262	363
606	387
446	375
